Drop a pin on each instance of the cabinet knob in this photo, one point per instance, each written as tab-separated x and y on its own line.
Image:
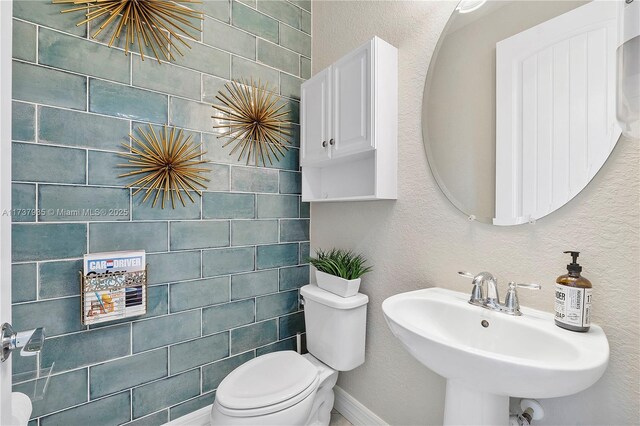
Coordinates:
324	144
331	142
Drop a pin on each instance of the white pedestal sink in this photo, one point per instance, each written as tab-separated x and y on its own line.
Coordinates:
488	356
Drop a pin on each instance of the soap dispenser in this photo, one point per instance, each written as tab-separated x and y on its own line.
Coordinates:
573	298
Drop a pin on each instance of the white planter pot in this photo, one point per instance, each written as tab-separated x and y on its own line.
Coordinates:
337	285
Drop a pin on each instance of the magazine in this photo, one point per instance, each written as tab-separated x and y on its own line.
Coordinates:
112	304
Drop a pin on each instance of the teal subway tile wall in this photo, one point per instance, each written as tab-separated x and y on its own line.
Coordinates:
224	272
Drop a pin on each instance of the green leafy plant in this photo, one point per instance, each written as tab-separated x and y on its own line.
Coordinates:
341	263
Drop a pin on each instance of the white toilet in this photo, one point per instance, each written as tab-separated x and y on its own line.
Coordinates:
286	388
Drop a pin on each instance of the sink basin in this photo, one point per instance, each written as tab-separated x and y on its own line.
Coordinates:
487	356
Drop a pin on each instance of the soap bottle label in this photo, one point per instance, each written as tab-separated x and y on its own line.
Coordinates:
573	305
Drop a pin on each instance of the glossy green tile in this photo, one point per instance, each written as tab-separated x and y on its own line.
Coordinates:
305	67
192	405
213	374
127	372
253	21
44	13
226	37
290	325
254	284
227	261
41	163
59	279
187	355
283	345
294	137
170	267
23	202
194	235
304	252
293	107
226	316
244	69
219	9
254	179
276	255
294	230
206	59
252	336
24	282
290	182
23	121
277	57
305	210
304	4
24	41
23	369
127	102
199	293
148	236
81	56
152	333
48	241
103	169
216	153
251	3
88	130
165	78
103	412
295	40
295	277
89	347
219	176
191	115
32	83
220	205
278	206
246	232
281	10
275	305
166	392
144	211
63	391
155	419
78	203
210	88
305	21
289	161
290	86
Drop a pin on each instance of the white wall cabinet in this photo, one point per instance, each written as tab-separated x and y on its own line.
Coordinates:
349	119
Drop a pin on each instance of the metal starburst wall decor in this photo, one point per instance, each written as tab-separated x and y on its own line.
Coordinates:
155	24
167	164
255	120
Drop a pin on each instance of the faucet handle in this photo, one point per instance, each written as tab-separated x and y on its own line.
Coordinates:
477	295
511	302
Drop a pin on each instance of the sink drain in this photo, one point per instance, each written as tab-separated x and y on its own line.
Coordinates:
484	323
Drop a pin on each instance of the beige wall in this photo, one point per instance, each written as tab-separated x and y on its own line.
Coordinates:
421	240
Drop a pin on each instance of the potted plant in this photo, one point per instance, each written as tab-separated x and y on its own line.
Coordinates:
339	271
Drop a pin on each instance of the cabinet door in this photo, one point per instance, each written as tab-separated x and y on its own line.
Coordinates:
315	118
352	95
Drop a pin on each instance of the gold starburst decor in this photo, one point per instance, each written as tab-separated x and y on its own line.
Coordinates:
167	164
154	24
255	121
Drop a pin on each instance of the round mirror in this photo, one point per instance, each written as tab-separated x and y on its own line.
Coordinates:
519	108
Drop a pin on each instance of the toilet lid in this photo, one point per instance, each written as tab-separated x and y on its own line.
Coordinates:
266	380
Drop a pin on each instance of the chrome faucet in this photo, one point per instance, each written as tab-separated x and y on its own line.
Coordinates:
30	341
485	293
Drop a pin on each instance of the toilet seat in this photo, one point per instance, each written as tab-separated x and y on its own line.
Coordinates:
267	384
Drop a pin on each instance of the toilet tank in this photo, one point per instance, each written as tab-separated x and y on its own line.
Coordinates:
336	327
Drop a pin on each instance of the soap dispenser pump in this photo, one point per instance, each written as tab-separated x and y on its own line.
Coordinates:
573	297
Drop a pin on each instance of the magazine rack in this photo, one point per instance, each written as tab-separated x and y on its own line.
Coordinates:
113	296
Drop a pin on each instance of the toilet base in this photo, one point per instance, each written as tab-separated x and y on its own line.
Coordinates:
321	411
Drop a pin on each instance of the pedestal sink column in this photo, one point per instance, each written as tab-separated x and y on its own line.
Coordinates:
465	406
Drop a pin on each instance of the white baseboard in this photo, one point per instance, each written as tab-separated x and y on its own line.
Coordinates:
352	410
196	418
